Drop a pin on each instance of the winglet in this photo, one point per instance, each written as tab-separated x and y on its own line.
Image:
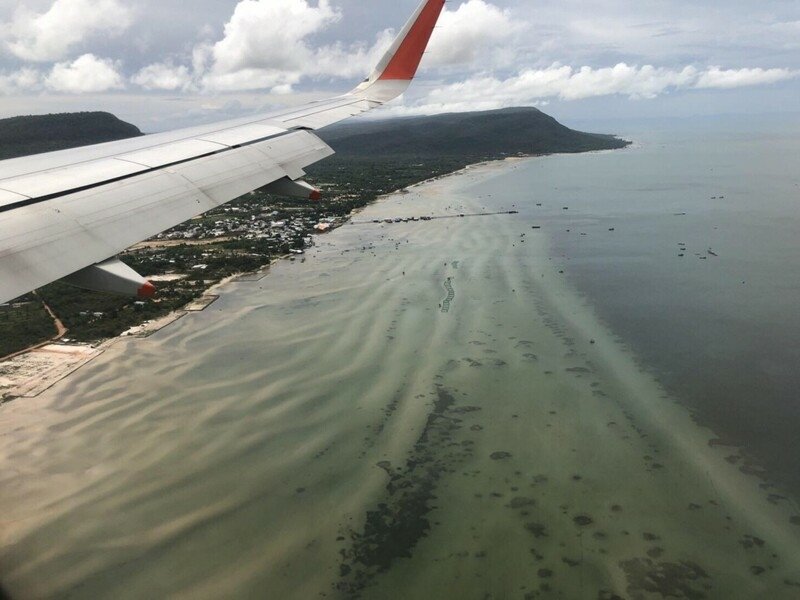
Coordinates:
400	63
403	57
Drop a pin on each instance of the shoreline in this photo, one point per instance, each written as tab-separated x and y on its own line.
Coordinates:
29	372
749	474
51	362
513	420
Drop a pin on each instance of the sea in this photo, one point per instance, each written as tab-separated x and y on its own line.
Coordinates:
688	247
575	378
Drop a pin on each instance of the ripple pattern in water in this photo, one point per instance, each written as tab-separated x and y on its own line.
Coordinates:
328	431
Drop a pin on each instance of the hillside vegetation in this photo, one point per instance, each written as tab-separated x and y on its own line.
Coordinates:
373	158
20	136
487	134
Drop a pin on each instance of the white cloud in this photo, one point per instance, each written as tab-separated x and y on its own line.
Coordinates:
50	35
335	61
734	78
270	35
632	81
264	44
19	82
353	61
484	53
532	86
468	33
86	73
163	76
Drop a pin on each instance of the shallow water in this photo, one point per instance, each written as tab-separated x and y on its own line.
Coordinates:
700	275
416	410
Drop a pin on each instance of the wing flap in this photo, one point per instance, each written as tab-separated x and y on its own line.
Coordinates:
295	151
233	173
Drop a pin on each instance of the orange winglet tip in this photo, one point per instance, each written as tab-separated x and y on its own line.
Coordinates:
405	62
315	195
148	290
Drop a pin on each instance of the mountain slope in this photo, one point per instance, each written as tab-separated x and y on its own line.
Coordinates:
473	135
20	136
477	134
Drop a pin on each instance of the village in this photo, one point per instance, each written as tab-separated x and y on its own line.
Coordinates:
183	262
243	236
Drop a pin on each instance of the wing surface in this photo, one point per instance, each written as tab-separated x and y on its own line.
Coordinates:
62	212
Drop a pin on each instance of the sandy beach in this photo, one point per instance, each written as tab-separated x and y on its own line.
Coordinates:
412	410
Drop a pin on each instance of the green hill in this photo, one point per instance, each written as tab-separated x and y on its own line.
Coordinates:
20	136
467	135
374	157
475	134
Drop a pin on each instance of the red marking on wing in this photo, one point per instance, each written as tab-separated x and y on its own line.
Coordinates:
406	60
148	290
315	195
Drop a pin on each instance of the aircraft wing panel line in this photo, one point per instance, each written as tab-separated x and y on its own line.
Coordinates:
8	197
27	187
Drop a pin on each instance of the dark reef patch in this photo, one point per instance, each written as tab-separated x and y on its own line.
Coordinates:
500	455
683	579
537	529
607	595
520	502
394	527
539	480
388	411
583	520
750	541
544	573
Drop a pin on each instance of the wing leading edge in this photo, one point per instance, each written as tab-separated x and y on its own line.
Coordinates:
66	213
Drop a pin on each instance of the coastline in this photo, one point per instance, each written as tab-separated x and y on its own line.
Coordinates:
522	431
29	372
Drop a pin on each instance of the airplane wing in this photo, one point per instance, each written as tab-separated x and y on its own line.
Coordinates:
66	214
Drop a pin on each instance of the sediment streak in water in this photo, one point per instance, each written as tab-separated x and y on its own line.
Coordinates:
329	431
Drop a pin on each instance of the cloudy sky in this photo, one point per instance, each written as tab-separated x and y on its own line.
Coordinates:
167	63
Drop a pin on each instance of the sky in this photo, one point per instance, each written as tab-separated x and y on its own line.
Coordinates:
162	64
